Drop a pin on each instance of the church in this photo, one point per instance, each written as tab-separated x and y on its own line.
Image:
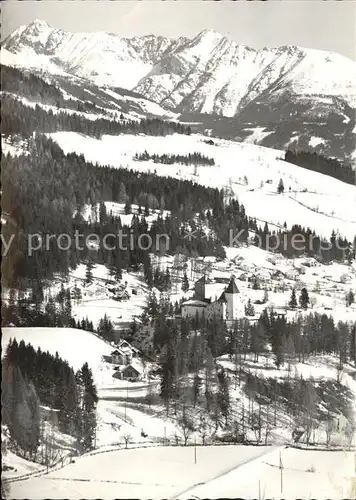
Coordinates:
227	307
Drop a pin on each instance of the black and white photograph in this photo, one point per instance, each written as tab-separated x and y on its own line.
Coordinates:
178	242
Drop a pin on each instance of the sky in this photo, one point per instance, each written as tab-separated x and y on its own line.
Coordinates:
326	25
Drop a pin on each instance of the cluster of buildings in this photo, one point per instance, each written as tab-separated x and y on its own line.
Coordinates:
127	360
228	307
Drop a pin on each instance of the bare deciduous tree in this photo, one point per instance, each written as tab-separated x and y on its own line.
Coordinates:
127	439
186	426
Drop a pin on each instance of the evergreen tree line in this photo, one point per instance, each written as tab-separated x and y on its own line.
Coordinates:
34	88
231	219
188	351
165	235
317	163
43	190
54	311
34	310
168	159
309	334
32	378
23	120
40	314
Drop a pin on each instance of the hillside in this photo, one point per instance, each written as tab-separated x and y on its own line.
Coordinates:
73	345
289	93
230	475
248	171
178	271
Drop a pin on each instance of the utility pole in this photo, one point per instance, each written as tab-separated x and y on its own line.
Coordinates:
127	395
195	450
281	468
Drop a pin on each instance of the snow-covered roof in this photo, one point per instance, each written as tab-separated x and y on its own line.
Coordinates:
122	368
117	351
195	303
125	346
49	409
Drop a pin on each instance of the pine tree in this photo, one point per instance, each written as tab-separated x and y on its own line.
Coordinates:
223	394
147	269
167	280
256	284
185	284
280	188
88	402
106	329
167	369
350	298
34	407
249	309
128	208
122	196
293	300
89	272
67	309
258	339
304	298
197	385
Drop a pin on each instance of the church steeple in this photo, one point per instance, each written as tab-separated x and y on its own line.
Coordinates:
232	287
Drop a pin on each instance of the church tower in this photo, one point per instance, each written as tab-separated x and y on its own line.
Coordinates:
200	288
232	300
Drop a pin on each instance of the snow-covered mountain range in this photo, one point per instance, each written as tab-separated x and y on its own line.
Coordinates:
300	97
208	73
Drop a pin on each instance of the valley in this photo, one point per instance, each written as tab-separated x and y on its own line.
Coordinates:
178	267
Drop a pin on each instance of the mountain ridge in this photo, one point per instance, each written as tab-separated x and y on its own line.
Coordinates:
303	98
205	73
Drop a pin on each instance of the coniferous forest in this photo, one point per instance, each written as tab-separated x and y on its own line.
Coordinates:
189	159
291	341
328	166
42	191
25	120
32	379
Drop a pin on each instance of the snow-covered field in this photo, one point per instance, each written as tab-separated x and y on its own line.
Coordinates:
159	472
207	472
118	210
97	300
116	420
305	474
251	172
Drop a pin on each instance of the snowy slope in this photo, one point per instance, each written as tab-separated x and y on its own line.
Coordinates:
97	300
224	471
73	345
251	172
262	477
137	473
118	210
